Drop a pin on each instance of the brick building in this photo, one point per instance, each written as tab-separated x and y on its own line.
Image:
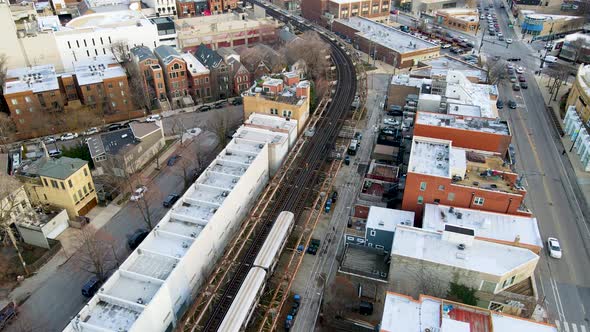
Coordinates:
199	78
462	19
385	43
240	77
151	71
30	93
314	10
102	84
174	69
440	173
219	71
190	8
465	132
219	6
375	9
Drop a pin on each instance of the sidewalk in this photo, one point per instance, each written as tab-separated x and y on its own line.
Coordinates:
582	177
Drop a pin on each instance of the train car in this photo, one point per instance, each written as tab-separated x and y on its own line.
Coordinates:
239	313
275	242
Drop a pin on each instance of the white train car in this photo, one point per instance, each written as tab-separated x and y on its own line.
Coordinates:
239	314
275	242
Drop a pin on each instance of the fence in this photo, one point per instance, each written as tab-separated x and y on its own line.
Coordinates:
55	247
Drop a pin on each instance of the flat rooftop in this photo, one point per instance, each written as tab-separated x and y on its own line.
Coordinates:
36	79
108	19
461	91
271	122
481	256
260	135
403	313
388	219
194	65
441	65
92	71
430	156
484	125
486	171
487	225
112	316
386	36
407	80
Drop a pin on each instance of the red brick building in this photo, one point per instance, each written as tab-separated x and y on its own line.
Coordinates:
313	10
240	76
199	79
174	69
465	132
218	6
151	71
440	173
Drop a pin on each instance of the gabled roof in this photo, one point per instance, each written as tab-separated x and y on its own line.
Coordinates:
166	54
142	53
208	57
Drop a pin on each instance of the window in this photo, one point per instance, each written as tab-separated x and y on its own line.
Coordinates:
80	193
110	85
274	111
420	199
31	109
373	233
14	101
54	184
45	182
89	186
451	197
70	183
441	188
85	172
478	200
17	111
78	44
69	45
28	99
121	83
508	282
85	191
61	183
206	79
75	198
85	43
287	113
422	186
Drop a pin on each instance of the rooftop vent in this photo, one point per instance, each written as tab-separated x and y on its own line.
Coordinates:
461	246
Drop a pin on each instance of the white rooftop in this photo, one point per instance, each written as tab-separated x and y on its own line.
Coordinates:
538	16
481	256
490	225
108	20
387	219
194	65
260	135
491	126
271	121
92	71
476	97
403	313
35	79
273	82
386	36
430	156
407	80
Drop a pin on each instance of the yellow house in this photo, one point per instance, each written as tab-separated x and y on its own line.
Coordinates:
287	98
64	182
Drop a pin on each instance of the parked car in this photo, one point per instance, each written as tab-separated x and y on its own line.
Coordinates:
521	78
68	136
554	248
347	160
334	196
136	238
114	126
138	194
509	41
220	104
513	79
7	314
172	160
513	59
49	140
153	118
237	101
91	287
391	122
500	104
204	108
90	131
170	200
54	153
515	87
358	136
512	104
520	70
500	38
445	46
524	85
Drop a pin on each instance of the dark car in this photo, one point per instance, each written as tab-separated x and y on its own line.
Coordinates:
513	59
170	200
512	104
334	196
515	87
136	238
220	104
114	126
347	160
90	287
500	104
204	108
172	160
524	85
395	113
237	101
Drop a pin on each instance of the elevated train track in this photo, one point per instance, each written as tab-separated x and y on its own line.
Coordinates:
294	193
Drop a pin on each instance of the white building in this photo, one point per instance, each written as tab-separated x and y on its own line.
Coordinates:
92	35
403	313
490	226
578	135
274	123
153	287
381	225
162	7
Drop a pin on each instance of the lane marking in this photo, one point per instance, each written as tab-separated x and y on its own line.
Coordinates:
566	327
574	327
583	327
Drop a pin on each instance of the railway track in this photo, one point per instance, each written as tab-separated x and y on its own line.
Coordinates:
299	182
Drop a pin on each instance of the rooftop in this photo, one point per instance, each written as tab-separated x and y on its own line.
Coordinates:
92	71
60	168
36	79
111	19
483	125
461	91
37	218
407	80
538	16
388	219
193	65
477	255
403	313
166	53
386	36
441	65
287	95
487	225
271	122
430	157
143	53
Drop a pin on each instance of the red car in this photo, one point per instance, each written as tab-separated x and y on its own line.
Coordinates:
521	78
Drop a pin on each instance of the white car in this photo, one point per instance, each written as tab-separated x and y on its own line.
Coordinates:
520	70
446	46
553	247
509	41
49	140
500	34
68	136
153	118
391	122
138	194
90	131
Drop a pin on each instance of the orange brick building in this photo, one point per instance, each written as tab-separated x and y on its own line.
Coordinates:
465	132
174	68
32	95
438	172
151	72
218	6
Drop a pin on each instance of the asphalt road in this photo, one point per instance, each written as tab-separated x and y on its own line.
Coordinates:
53	305
552	191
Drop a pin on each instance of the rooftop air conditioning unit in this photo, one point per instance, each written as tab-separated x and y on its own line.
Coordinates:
224	194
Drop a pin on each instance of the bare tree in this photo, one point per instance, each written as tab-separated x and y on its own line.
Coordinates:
7	128
495	70
120	50
96	253
10	190
313	50
426	281
220	126
3	68
185	170
141	94
578	46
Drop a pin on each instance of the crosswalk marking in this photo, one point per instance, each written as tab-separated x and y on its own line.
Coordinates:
565	327
583	328
574	328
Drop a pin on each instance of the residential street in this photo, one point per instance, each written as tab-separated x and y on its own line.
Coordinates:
553	193
51	306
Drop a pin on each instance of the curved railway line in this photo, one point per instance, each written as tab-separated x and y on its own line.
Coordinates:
296	186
